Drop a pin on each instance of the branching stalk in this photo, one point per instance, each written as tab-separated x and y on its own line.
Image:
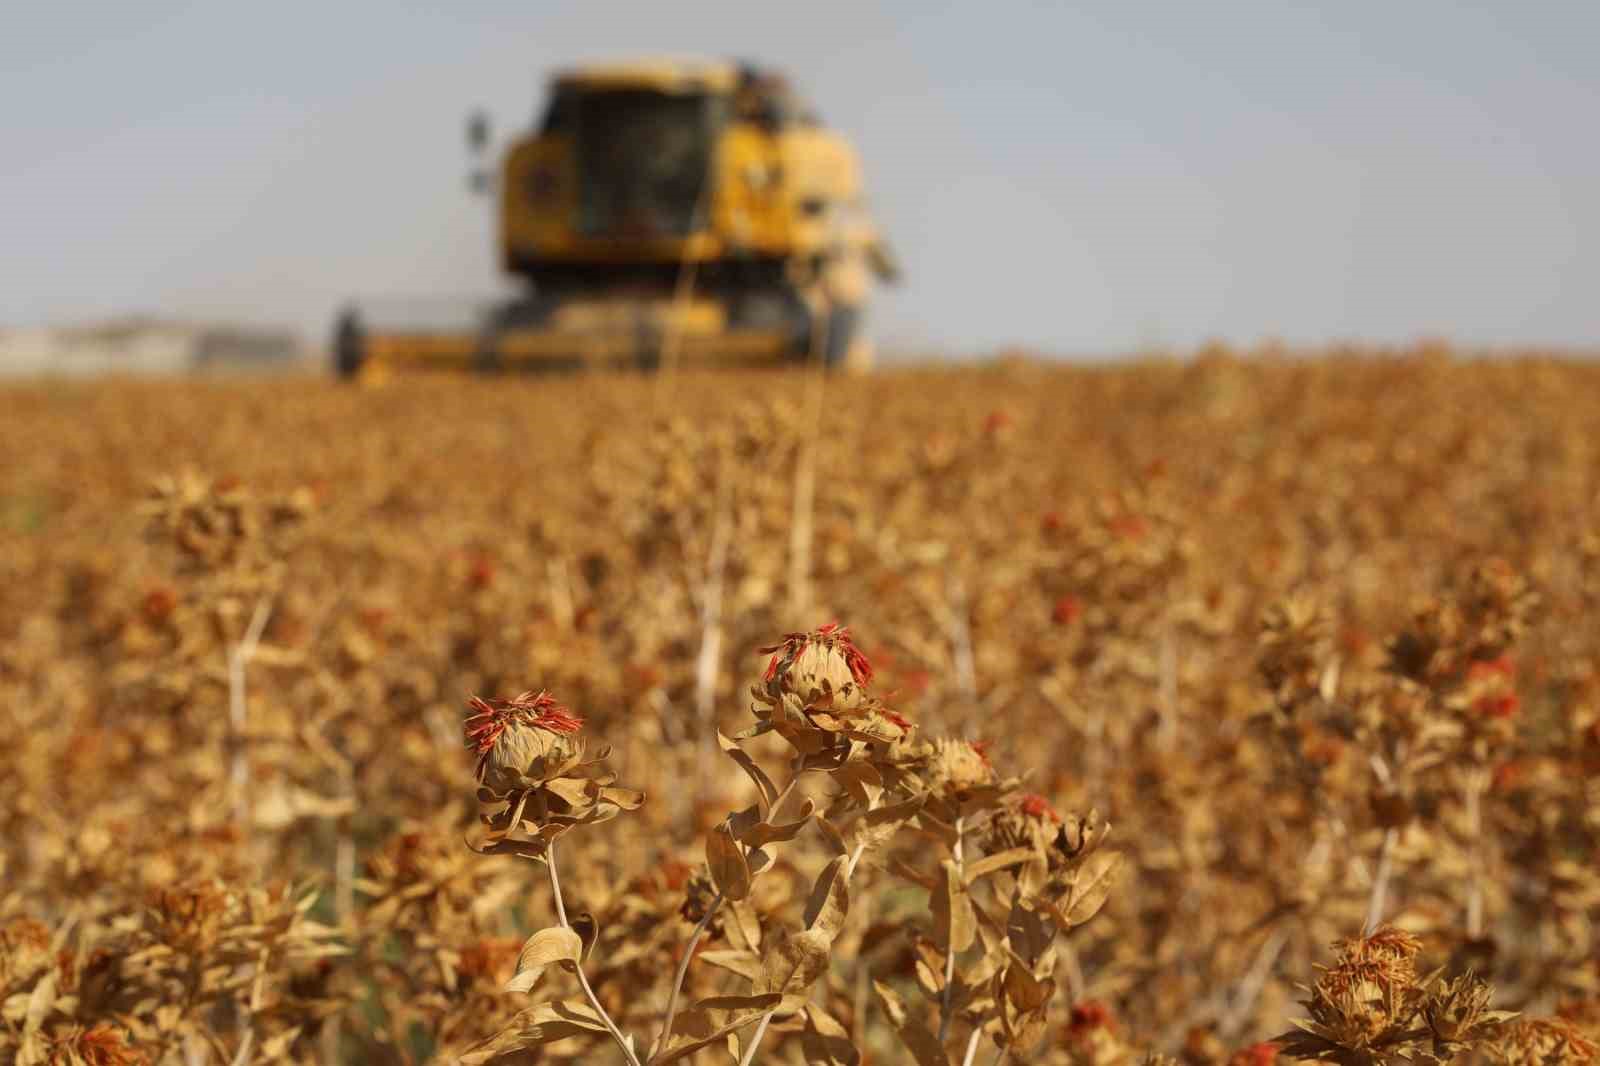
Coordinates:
594	1001
699	930
749	1055
683	972
239	657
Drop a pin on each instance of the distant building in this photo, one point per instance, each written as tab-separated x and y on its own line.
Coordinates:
146	346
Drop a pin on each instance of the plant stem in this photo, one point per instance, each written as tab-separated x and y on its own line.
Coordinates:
749	1055
1474	802
705	921
683	972
1069	959
246	1046
711	587
594	1001
972	1047
855	857
961	642
950	948
777	802
803	507
1380	880
239	657
1255	978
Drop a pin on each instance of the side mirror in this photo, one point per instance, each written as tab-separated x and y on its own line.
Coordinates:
478	132
479	179
884	263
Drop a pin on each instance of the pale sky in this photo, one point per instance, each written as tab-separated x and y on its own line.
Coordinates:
1081	179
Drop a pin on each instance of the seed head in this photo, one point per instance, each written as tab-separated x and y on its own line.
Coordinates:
24	950
958	766
1089	1015
1036	806
1543	1042
1370	992
1458	1009
820	668
1262	1054
100	1045
528	736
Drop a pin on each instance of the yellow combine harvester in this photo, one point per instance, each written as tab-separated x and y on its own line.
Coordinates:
662	213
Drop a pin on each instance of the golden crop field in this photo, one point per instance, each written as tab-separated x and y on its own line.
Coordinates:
1226	712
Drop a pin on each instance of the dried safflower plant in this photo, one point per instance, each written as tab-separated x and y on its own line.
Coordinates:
1013	876
1082	578
536	786
1373	1006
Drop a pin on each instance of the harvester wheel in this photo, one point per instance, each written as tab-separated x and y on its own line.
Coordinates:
349	344
522	313
845	338
860	356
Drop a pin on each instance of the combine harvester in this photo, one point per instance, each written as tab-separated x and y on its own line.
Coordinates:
662	214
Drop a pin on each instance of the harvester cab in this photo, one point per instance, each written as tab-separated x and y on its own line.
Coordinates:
660	213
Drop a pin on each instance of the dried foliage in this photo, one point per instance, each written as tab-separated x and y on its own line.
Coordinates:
1320	638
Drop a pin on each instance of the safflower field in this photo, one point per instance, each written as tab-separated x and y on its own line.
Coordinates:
1228	712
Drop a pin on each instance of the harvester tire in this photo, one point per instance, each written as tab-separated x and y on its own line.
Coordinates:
349	344
844	334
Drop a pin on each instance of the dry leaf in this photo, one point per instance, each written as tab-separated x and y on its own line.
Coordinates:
829	903
729	868
877	826
556	944
710	1020
826	1042
536	1025
764	785
989	864
1090	888
922	1044
954	925
794	963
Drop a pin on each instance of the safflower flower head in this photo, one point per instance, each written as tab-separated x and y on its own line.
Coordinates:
526	739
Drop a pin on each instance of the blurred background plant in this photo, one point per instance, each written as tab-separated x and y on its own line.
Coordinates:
1318	637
